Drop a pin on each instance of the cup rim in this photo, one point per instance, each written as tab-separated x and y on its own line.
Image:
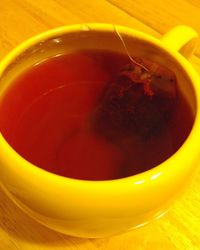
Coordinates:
181	155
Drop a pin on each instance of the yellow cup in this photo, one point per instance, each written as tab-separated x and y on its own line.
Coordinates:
102	208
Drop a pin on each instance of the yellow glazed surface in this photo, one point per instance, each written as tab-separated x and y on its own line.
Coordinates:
102	208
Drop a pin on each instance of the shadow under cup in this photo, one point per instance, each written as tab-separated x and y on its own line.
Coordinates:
43	147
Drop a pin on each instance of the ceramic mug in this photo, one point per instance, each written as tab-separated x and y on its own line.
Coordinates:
102	208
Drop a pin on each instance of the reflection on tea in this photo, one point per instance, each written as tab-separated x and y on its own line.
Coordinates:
95	115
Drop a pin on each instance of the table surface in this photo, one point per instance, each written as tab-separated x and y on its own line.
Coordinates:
21	19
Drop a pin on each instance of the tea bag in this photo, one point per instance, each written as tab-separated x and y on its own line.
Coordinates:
138	101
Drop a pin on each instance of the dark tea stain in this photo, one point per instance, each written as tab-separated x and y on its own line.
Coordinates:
95	115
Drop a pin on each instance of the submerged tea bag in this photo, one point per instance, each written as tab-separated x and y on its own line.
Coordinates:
138	101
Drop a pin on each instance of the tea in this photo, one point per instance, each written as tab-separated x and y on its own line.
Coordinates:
52	115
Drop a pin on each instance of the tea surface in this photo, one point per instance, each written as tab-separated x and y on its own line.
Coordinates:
47	116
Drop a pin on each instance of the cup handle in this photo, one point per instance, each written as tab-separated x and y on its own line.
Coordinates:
182	39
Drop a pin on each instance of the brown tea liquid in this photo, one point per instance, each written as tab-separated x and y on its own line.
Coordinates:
46	117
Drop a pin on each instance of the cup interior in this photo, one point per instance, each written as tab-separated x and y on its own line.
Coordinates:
113	39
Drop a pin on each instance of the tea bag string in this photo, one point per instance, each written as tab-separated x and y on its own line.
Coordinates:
127	52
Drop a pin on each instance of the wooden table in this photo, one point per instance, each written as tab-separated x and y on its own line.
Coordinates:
19	20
